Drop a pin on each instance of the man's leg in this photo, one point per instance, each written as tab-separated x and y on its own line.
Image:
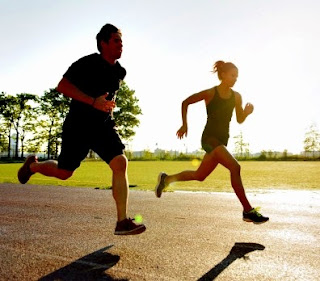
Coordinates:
120	186
120	190
50	168
47	168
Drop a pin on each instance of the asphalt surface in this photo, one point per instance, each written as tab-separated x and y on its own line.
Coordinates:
57	233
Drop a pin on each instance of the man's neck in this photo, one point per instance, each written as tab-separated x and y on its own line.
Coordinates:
109	59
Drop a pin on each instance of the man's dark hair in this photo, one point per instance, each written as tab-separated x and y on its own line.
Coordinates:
105	34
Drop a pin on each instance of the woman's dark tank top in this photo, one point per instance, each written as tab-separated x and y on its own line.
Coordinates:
219	113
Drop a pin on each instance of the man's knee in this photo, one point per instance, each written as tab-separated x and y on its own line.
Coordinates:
119	163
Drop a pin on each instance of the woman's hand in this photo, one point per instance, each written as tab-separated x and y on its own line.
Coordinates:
182	131
248	109
102	104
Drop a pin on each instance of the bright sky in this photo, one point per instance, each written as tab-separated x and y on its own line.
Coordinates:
169	49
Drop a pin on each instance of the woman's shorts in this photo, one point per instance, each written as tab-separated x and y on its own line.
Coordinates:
210	143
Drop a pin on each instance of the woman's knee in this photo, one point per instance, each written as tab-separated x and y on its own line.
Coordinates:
235	168
200	176
64	174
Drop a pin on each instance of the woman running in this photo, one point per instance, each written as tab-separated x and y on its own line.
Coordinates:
220	102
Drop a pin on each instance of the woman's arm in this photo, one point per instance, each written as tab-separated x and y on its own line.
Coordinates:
203	95
241	113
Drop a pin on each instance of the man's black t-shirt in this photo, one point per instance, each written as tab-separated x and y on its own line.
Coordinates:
94	76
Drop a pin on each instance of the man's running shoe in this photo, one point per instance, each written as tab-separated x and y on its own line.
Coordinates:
129	227
24	172
254	216
161	184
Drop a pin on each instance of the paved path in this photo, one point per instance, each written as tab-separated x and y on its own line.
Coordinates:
57	233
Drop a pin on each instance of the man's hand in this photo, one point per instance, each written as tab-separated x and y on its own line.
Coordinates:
104	105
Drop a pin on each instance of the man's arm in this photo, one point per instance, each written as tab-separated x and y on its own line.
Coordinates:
68	89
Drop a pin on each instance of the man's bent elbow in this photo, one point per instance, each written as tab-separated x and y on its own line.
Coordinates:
63	85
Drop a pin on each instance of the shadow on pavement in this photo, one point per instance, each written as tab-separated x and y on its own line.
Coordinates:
89	267
239	250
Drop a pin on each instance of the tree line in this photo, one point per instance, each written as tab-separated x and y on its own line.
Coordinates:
311	148
33	123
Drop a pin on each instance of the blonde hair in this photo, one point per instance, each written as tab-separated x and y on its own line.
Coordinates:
221	66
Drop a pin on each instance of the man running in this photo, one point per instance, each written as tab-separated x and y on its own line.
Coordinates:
91	83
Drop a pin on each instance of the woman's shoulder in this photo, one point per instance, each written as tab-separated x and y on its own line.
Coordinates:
236	94
209	94
237	97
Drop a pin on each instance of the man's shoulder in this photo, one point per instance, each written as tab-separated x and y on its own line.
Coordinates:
94	63
121	71
81	65
89	58
87	63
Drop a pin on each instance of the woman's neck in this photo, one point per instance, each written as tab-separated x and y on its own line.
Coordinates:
224	90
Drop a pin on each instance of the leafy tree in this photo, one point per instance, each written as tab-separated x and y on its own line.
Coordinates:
12	109
126	112
45	121
3	138
147	154
312	140
21	105
29	118
263	156
53	109
6	105
241	148
285	154
271	154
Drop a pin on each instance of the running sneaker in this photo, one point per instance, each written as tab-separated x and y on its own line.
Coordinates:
254	216
129	227
24	172
161	184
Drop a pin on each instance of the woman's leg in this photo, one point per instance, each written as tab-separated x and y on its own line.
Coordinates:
223	156
207	165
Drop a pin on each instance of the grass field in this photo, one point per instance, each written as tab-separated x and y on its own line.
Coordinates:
143	175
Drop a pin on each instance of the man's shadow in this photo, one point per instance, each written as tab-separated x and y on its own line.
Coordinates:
90	267
238	251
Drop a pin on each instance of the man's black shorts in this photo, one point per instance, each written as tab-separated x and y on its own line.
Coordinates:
78	138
